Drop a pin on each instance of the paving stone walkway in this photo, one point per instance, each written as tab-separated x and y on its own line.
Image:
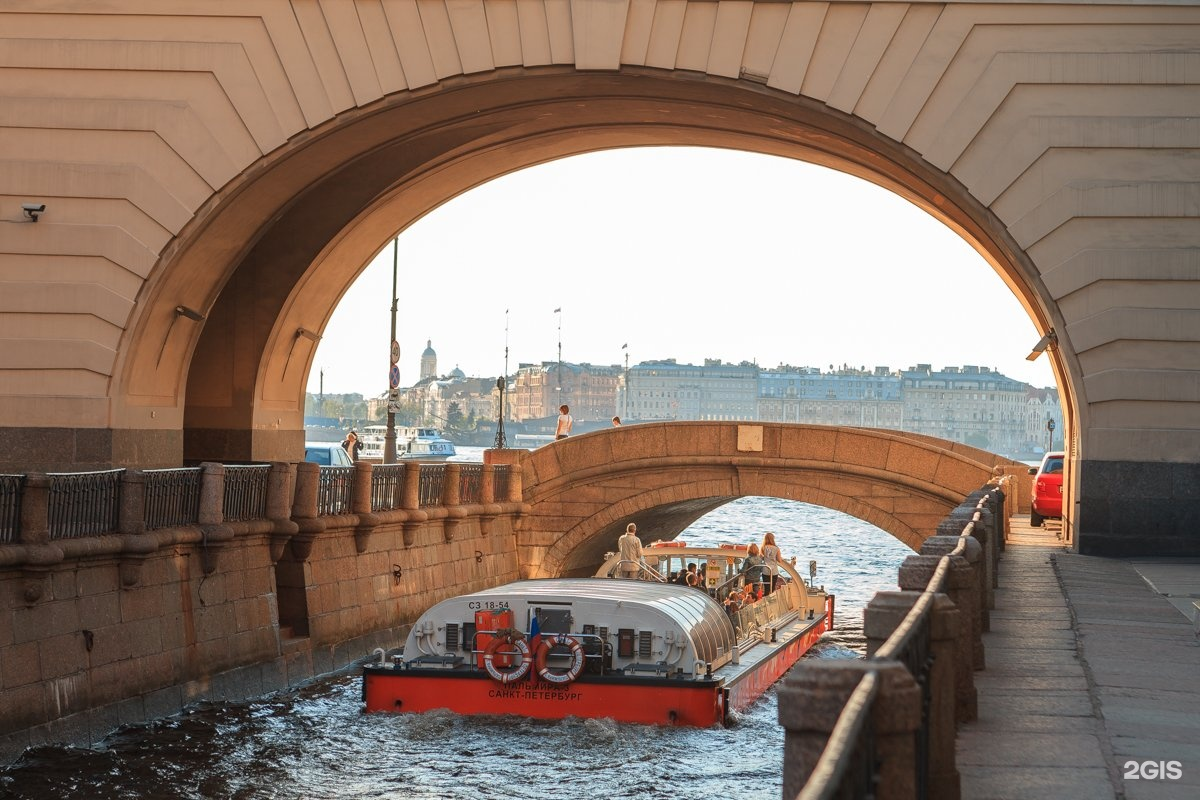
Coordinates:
1093	677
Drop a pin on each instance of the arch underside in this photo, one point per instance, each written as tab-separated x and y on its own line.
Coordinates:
665	511
318	210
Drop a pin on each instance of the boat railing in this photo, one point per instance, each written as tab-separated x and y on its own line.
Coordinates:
925	682
645	572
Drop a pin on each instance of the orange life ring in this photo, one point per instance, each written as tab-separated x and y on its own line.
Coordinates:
516	673
543	655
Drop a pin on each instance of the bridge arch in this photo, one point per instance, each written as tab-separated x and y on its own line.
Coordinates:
582	491
215	180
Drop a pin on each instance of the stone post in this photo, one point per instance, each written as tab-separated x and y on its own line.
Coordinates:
35	509
361	505
281	487
945	543
452	501
410	501
304	510
212	494
131	515
487	485
883	615
812	697
35	535
915	574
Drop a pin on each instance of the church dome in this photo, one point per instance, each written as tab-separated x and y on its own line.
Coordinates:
428	348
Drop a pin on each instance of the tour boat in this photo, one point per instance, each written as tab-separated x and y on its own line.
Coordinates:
425	443
644	649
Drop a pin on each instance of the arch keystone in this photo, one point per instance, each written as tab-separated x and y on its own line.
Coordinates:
598	29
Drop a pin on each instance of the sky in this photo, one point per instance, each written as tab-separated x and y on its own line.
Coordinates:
684	253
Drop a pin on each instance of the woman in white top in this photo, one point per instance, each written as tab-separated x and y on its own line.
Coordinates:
770	554
564	423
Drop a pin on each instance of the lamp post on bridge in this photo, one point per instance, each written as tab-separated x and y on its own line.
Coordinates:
1049	434
389	438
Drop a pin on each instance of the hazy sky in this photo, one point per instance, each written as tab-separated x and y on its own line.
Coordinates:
682	253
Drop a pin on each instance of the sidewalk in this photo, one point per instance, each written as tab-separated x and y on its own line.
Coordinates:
1091	673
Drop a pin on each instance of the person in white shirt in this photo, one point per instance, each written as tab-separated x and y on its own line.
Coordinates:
564	423
630	548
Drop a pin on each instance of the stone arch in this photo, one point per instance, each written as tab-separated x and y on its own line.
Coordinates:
581	491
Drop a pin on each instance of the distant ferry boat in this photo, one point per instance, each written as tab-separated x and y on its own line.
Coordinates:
411	443
532	440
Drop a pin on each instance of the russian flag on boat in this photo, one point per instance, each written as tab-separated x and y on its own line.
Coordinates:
535	635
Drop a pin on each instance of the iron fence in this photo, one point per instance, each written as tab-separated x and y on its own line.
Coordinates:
502	477
387	482
84	503
335	486
470	483
246	492
11	487
433	478
172	497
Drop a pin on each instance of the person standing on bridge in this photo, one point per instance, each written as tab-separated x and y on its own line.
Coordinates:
630	548
564	423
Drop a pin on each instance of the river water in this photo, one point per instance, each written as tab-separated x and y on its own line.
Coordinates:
316	743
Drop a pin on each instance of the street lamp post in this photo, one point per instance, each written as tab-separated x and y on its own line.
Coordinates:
1049	434
389	439
502	385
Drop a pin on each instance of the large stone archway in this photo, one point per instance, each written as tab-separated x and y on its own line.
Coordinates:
215	176
582	491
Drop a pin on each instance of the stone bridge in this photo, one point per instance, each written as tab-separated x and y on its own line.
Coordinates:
582	491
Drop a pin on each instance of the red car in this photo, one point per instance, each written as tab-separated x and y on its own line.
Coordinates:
1047	489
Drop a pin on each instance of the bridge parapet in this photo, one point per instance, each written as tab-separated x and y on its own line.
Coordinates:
888	723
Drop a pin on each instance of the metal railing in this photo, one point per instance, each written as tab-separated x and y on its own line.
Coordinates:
470	483
433	479
387	481
502	480
172	497
10	507
246	492
335	486
84	503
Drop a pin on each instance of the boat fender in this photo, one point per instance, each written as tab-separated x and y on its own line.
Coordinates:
543	656
516	673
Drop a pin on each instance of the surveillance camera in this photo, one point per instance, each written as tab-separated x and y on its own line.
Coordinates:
33	209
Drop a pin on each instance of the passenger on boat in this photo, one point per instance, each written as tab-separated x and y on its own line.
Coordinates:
630	547
688	577
770	554
753	566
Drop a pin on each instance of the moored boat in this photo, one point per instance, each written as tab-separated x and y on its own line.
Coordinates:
639	650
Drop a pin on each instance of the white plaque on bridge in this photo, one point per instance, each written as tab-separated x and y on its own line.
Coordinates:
750	438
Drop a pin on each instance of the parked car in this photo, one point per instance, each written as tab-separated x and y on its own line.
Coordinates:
1046	502
329	454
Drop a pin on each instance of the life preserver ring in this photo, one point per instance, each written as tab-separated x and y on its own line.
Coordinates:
517	672
543	655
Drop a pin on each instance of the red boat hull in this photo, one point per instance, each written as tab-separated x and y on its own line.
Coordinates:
646	700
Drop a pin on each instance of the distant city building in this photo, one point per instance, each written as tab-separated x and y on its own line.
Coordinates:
973	405
1042	406
428	361
840	397
712	391
537	390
